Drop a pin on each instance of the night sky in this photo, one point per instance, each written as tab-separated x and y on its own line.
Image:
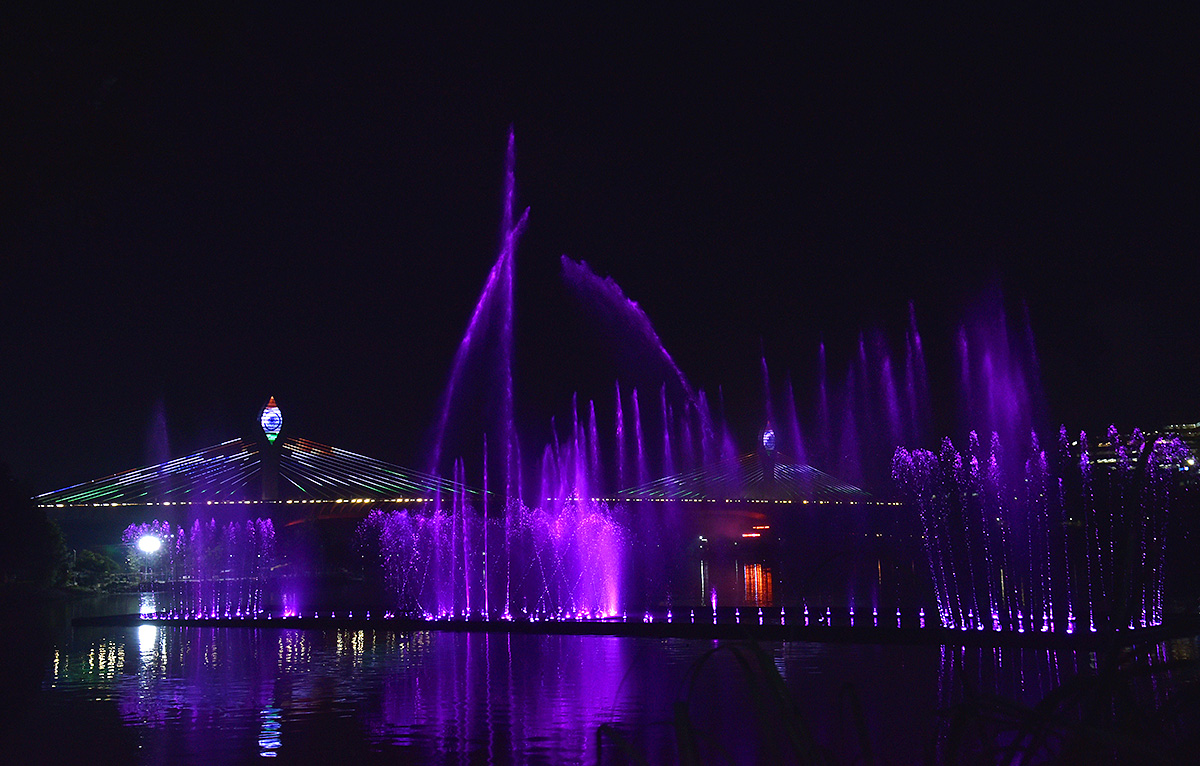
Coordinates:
200	211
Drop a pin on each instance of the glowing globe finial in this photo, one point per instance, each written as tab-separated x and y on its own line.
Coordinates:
768	439
271	420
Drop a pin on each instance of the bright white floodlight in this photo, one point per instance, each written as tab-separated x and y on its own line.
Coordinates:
149	544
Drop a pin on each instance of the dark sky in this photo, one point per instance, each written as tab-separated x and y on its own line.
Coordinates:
200	211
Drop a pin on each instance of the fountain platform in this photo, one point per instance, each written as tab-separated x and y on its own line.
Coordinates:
725	627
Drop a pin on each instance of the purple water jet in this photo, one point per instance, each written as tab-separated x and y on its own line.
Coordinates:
620	429
209	569
1003	549
497	297
628	319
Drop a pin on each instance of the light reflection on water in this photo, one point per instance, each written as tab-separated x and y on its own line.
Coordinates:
205	695
147	602
224	693
759	585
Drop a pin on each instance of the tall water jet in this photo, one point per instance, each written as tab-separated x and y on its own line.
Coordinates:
620	429
793	422
509	234
849	460
891	400
549	548
998	381
498	289
916	381
766	380
668	463
595	474
642	471
728	450
628	321
824	428
158	446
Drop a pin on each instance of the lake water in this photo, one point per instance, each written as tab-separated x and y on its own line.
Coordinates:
202	695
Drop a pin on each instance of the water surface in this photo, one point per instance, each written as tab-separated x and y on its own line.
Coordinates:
209	695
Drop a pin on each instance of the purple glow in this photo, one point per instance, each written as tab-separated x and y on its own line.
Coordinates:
571	558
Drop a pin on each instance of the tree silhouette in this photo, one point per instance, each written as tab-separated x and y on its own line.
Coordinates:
32	549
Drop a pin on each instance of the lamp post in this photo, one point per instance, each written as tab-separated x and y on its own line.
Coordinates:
148	546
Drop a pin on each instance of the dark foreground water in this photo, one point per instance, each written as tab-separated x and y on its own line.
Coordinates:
205	696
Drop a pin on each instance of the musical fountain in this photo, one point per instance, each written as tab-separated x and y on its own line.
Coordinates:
1027	550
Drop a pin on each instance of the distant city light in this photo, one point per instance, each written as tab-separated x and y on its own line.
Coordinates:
149	544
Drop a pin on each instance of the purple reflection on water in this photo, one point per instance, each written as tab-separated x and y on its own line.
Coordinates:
199	695
219	695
